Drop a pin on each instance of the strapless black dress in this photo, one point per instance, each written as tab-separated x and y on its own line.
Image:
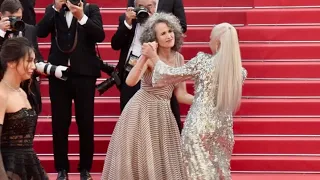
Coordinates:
19	158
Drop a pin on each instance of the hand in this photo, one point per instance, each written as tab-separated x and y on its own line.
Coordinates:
58	4
40	73
149	50
77	11
130	15
4	24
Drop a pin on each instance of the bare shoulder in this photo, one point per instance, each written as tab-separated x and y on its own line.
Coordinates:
180	55
23	92
180	58
3	96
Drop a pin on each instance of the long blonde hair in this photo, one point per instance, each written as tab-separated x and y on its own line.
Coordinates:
228	68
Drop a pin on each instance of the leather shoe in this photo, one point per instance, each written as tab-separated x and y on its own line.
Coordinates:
85	175
62	175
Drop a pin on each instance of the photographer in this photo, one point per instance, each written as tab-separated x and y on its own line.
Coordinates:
75	28
12	26
175	7
29	15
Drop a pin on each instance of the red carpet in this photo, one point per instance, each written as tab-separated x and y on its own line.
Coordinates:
246	33
277	127
244	145
253	51
251	126
236	176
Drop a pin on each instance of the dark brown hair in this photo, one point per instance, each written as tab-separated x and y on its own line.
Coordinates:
12	6
13	50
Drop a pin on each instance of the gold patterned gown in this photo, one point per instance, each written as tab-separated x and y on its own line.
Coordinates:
207	137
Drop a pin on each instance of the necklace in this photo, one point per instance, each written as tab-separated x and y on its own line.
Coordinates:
12	88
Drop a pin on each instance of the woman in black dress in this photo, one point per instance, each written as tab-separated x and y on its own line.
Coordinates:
17	117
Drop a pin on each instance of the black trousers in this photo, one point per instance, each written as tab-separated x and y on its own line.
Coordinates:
126	93
82	91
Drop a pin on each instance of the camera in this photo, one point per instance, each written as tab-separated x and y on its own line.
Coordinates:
60	72
74	2
108	83
16	23
115	78
142	14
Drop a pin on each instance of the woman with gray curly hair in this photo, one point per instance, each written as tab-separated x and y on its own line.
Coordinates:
145	143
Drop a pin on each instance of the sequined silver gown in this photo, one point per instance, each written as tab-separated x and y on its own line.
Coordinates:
207	137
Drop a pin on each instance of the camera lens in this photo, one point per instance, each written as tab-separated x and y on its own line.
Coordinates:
19	25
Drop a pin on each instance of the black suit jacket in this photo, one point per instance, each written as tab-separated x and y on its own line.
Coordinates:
33	91
170	6
83	60
28	14
122	40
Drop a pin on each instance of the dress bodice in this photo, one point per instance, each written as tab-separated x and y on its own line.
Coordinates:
164	92
19	128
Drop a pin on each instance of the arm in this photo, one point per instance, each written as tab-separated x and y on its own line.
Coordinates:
181	90
178	11
121	37
46	25
93	24
3	105
164	74
137	71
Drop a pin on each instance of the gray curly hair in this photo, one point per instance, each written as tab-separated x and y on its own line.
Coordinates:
149	34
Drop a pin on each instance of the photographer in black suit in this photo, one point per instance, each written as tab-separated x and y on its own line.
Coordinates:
12	27
125	37
29	15
75	28
170	6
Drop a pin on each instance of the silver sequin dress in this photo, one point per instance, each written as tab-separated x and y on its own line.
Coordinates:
207	137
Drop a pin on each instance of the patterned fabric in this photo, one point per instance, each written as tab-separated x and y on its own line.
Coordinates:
145	144
19	159
207	137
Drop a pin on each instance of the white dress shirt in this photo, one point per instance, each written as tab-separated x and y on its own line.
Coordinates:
69	17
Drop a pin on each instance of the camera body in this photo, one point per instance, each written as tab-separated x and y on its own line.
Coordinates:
16	23
108	83
115	77
74	2
142	14
60	72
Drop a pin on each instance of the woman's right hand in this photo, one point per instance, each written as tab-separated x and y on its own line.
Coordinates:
4	24
149	50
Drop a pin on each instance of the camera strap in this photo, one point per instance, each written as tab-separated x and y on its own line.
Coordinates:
75	42
87	12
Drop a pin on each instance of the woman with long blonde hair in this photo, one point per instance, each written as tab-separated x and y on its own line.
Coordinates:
207	137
